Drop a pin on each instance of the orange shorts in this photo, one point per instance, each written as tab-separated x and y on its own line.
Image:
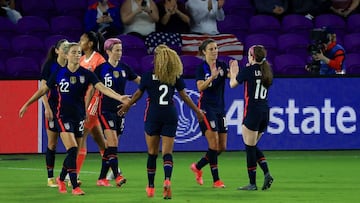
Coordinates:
92	121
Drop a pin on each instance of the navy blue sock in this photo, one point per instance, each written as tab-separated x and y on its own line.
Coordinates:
71	165
213	164
203	161
105	165
113	160
261	160
251	163
151	169
168	165
50	162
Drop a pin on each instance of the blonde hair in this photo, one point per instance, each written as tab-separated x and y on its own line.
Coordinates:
167	65
68	45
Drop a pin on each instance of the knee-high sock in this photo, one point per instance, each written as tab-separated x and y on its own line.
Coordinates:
105	165
80	159
113	161
261	160
151	169
213	161
251	163
203	161
168	165
50	162
69	167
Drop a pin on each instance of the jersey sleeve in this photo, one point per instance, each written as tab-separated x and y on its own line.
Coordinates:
145	79
93	79
52	80
130	72
200	74
46	71
180	84
243	75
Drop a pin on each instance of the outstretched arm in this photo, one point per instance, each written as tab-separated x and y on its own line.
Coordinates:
125	107
185	97
111	93
43	89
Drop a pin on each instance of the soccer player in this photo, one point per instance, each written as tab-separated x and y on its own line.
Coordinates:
114	74
210	81
257	78
90	43
55	59
71	83
161	115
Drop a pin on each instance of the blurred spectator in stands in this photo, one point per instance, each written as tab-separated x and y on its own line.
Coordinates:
205	14
139	17
309	8
277	8
104	17
7	9
344	7
173	17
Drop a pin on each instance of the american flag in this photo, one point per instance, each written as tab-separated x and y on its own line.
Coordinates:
228	44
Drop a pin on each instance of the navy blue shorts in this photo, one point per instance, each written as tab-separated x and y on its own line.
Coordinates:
161	128
213	121
256	119
112	121
52	125
69	125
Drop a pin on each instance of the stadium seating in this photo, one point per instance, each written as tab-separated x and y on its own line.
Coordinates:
289	64
335	22
147	63
67	25
133	46
268	41
28	46
41	8
352	62
292	43
133	63
7	28
71	8
5	48
53	39
353	23
234	24
352	43
264	24
33	25
23	67
190	63
295	23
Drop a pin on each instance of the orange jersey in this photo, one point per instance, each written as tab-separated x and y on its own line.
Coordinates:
91	63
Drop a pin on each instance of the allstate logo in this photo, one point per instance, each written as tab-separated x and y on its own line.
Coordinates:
188	127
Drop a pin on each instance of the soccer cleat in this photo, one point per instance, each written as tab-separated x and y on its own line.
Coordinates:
167	189
120	180
78	191
249	187
267	182
62	185
218	184
103	182
51	182
150	191
198	174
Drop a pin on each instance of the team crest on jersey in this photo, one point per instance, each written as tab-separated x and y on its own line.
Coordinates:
221	72
67	126
51	124
82	79
123	73
111	123
116	73
72	79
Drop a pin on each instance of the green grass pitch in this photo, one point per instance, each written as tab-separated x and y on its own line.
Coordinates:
306	176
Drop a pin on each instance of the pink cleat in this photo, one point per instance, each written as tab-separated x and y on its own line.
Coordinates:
150	191
103	182
61	185
78	191
198	174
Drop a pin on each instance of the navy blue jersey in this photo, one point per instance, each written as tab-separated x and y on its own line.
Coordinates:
114	78
49	68
160	95
213	96
71	88
254	91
